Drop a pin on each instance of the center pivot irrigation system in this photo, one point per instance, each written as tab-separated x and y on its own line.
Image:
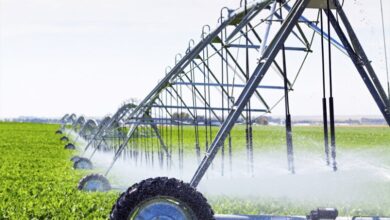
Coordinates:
238	71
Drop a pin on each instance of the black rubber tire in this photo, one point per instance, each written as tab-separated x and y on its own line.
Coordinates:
106	186
161	186
75	158
58	132
64	138
82	164
70	146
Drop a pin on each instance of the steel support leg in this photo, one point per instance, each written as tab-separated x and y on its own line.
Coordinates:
356	59
359	58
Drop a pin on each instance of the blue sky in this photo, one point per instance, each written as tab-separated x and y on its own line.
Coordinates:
89	56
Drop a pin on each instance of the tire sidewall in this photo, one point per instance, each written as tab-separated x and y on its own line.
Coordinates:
150	189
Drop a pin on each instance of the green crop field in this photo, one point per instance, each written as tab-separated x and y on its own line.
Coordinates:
37	180
305	137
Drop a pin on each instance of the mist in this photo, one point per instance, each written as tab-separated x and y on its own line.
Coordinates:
361	177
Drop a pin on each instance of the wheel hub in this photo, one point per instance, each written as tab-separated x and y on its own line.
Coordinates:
161	209
94	185
83	165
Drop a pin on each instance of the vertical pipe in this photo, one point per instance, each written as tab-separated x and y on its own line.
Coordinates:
207	64
324	105
178	128
326	130
171	135
290	152
248	129
182	130
205	105
152	145
163	136
331	101
289	142
222	96
197	147
229	96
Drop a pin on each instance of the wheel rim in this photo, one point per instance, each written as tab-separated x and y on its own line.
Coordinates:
74	158
70	146
162	208
94	185
83	165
